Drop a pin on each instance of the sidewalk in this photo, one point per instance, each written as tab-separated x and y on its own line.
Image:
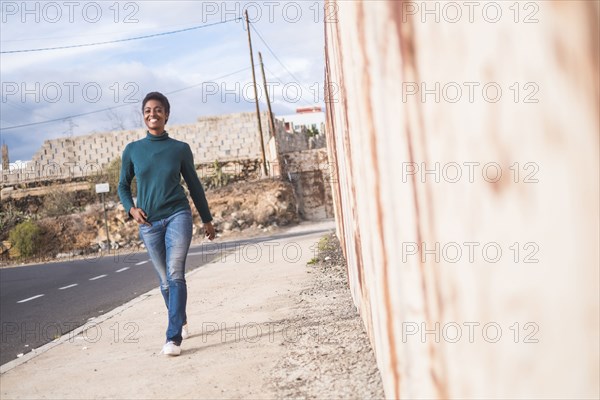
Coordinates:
239	309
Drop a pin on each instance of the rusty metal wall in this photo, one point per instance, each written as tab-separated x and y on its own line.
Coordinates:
466	151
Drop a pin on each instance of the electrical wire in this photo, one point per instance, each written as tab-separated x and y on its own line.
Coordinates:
175	91
119	40
308	103
282	64
273	53
115	107
30	39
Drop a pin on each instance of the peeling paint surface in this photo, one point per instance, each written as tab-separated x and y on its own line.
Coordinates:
470	225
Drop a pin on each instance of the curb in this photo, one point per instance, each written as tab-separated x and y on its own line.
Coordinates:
4	368
71	334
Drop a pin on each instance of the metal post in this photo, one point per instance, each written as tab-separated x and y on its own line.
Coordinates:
105	222
262	144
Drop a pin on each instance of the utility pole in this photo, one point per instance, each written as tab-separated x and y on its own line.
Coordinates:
276	167
262	144
271	120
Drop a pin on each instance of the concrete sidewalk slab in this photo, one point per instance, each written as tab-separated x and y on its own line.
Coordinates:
238	306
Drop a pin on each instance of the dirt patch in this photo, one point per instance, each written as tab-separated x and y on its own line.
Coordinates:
331	354
259	203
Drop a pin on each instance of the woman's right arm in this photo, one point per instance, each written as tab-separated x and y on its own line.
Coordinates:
125	178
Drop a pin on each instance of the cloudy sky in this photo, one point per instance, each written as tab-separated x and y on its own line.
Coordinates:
203	71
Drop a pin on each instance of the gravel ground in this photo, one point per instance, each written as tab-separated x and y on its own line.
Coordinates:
328	353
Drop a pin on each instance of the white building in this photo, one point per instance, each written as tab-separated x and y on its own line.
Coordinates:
308	117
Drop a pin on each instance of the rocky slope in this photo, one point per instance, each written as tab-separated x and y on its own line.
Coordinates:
250	207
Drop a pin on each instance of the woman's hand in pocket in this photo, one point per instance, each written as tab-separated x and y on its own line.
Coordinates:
139	216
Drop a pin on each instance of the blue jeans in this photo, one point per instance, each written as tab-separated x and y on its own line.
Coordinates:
168	241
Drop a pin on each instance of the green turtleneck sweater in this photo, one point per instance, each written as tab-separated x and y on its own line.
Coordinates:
158	162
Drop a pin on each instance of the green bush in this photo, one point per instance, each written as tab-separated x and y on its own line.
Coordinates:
312	132
25	237
218	179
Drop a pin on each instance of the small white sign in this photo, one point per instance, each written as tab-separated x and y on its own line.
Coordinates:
102	188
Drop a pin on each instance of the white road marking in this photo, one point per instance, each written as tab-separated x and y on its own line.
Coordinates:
97	277
67	287
122	269
143	262
30	298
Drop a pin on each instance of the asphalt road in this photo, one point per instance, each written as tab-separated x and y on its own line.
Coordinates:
41	302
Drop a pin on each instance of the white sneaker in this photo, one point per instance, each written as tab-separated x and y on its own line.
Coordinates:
171	349
184	332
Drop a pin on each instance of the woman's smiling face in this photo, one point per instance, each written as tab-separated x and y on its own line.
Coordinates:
155	116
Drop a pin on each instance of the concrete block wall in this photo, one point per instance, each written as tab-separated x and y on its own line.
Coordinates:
227	137
310	174
293	141
297	141
224	138
519	319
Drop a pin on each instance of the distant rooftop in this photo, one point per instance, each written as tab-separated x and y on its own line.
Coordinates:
308	117
305	110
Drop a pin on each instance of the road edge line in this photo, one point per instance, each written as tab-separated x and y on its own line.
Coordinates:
4	368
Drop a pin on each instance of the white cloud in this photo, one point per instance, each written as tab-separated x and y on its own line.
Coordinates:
164	63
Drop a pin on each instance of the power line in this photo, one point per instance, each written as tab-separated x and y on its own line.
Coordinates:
171	92
282	64
280	81
25	109
213	79
274	55
63	118
120	40
115	107
30	39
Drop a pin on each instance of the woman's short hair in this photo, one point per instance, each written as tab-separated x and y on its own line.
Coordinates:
160	98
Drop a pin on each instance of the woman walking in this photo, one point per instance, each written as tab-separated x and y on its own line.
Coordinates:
163	212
